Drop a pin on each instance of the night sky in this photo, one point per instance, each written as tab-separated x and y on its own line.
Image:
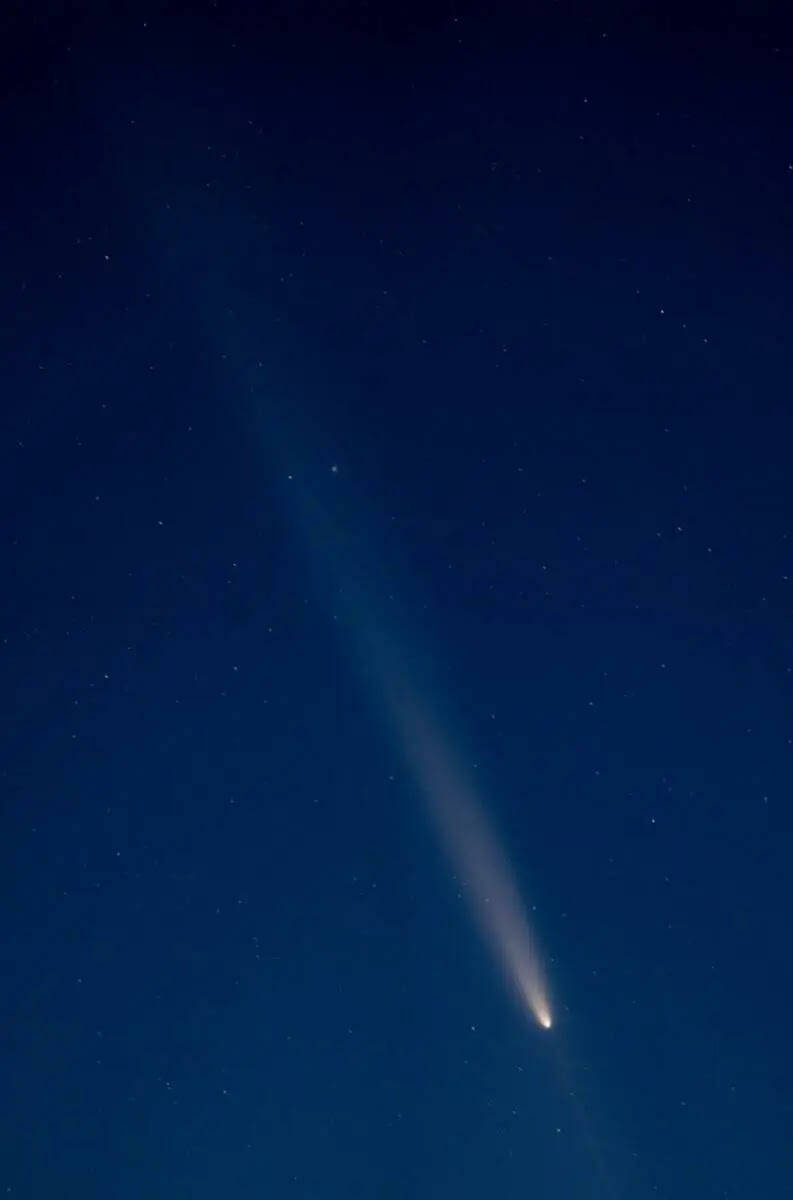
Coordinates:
447	329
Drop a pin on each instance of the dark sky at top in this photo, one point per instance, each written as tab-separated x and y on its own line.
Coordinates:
509	298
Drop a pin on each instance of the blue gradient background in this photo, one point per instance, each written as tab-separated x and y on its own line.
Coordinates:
527	287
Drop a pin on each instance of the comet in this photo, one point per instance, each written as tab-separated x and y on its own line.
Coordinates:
473	849
467	836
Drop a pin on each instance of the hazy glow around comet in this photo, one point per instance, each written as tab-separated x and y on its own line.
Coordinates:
475	854
471	845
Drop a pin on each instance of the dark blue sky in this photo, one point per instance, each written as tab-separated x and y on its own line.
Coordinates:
510	299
